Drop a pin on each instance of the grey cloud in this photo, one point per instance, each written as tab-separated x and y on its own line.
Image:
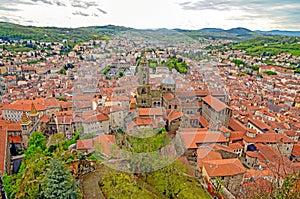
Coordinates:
59	3
8	5
185	3
234	4
275	10
9	19
81	4
81	13
8	9
102	11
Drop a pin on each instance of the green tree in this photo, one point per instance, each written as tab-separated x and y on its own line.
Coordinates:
63	71
37	139
58	183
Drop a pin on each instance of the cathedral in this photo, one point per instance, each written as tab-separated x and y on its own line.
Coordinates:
146	97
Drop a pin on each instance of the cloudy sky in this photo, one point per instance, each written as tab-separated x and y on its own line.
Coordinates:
188	14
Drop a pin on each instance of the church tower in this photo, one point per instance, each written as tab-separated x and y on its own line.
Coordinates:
34	115
26	126
143	72
144	99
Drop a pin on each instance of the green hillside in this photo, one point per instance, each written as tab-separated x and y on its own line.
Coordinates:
270	45
10	31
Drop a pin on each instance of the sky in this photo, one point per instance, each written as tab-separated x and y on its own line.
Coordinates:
142	14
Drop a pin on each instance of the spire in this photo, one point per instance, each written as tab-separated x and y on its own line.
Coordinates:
25	119
33	111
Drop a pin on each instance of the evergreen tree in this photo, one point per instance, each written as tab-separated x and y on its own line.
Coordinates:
58	183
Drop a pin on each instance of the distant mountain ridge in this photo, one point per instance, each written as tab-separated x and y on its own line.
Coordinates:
15	31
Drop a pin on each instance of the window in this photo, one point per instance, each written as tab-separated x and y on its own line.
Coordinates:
175	106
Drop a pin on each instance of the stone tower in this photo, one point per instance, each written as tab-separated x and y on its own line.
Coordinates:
34	115
143	72
144	99
26	126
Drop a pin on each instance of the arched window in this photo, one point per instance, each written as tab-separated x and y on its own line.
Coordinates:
144	91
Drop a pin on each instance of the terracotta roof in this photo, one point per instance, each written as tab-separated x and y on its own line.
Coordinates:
169	96
296	150
261	125
15	139
66	119
206	154
102	143
221	147
203	122
224	167
236	145
258	173
192	138
44	118
96	118
3	147
150	111
236	125
237	135
143	121
14	127
259	186
215	103
174	114
269	138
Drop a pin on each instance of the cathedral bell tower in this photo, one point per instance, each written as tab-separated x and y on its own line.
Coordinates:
144	99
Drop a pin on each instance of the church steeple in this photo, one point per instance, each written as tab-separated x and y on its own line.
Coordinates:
25	119
143	72
33	113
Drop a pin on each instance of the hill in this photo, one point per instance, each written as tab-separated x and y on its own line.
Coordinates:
9	31
270	45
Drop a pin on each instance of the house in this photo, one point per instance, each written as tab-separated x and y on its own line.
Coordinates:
231	171
215	112
190	139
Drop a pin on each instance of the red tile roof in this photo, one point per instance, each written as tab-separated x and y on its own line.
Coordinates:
269	138
96	118
102	143
215	103
224	167
169	96
192	138
206	154
150	111
174	114
15	139
236	125
296	150
3	148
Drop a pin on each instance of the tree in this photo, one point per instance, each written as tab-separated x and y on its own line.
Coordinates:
38	139
58	183
63	71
